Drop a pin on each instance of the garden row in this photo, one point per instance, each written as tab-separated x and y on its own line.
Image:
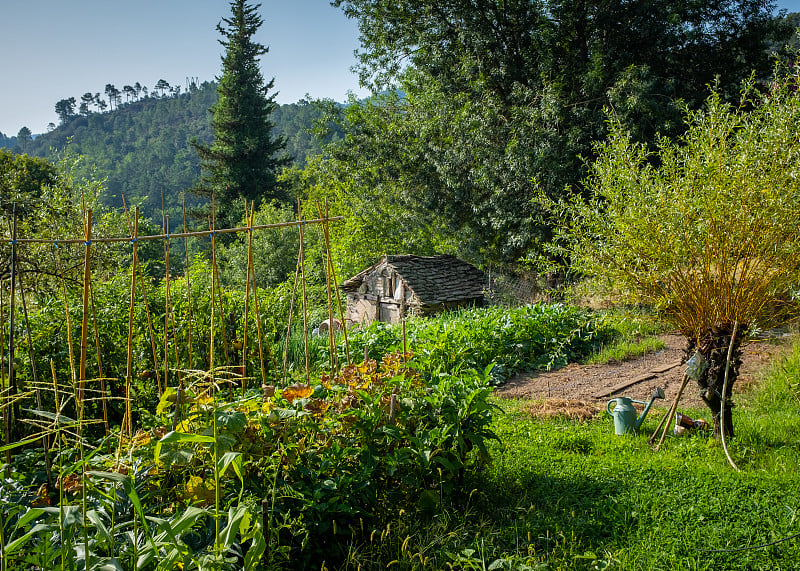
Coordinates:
290	470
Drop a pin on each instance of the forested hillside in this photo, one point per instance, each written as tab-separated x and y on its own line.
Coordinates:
143	147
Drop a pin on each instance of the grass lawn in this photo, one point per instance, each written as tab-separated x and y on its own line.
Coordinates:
562	494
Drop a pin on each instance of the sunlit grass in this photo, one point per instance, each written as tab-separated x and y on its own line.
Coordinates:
623	350
635	334
563	494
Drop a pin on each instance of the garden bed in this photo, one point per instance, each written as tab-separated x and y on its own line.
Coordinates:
641	375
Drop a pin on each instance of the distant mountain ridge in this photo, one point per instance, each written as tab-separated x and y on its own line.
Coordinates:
143	148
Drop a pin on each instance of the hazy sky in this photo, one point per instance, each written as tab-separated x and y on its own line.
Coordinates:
55	49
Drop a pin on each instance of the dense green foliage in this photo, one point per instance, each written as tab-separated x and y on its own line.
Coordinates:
534	337
274	480
144	147
501	100
705	228
43	197
242	162
141	149
217	451
365	468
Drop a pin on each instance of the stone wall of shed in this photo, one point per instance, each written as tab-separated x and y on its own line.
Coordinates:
363	308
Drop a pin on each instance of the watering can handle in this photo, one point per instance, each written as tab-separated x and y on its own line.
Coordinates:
608	405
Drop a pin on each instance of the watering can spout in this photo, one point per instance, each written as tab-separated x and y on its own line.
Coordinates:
657	394
625	420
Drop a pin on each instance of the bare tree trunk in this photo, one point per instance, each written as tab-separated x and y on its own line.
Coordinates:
714	348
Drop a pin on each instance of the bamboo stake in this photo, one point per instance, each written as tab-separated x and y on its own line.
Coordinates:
258	323
326	225
167	307
31	356
70	342
4	398
128	421
169	315
291	314
137	268
87	276
331	328
670	414
215	272
249	214
174	333
12	375
104	392
305	299
188	285
211	328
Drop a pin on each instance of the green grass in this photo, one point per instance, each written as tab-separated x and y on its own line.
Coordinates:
566	495
634	336
622	350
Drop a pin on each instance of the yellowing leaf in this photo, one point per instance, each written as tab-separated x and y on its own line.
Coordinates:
199	492
317	407
297	391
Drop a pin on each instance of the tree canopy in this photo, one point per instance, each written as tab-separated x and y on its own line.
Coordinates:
501	100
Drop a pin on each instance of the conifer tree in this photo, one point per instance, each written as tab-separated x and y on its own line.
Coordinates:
243	160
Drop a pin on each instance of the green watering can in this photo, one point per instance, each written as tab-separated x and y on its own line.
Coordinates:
625	420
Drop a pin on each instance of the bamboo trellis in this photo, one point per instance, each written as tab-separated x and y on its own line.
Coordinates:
79	377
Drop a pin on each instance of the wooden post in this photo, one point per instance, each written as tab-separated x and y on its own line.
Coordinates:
342	316
291	314
249	217
138	269
3	394
255	301
331	323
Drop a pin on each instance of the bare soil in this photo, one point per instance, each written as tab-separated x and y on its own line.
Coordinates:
576	389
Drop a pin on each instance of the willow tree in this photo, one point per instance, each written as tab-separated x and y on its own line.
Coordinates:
705	228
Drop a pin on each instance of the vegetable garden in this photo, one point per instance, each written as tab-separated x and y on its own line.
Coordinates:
188	424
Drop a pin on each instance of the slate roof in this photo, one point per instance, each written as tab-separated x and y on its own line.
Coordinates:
433	279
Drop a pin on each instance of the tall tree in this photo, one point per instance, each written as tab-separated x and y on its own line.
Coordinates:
162	85
24	137
242	161
65	109
86	100
113	95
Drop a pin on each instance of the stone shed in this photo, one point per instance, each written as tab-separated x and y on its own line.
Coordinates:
412	285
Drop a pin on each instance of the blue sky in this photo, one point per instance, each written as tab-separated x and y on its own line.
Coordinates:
54	49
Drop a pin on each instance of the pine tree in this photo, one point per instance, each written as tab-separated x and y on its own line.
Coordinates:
243	160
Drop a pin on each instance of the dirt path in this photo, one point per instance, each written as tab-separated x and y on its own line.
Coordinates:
636	378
